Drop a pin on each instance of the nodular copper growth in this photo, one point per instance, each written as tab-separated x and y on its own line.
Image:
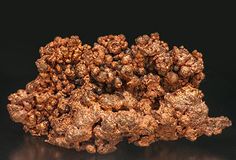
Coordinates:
93	97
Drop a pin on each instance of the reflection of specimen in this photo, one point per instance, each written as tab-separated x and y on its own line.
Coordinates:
34	149
91	97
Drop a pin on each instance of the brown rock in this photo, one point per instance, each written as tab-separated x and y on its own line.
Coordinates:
91	97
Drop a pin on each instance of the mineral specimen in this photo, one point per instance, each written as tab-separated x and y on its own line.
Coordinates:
92	97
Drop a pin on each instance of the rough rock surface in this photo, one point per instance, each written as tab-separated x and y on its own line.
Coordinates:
92	97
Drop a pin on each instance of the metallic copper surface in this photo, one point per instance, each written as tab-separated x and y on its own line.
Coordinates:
92	97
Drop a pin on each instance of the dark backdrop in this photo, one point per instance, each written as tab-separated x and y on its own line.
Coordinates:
208	27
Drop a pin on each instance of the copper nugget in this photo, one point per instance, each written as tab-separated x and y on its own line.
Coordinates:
92	97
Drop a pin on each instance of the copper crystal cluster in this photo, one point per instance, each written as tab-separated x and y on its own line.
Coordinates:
93	97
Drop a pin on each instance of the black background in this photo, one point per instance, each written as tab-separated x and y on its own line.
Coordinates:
208	27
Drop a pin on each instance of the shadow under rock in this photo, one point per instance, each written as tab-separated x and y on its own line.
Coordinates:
35	148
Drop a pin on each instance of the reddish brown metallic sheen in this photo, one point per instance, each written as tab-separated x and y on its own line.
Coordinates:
92	97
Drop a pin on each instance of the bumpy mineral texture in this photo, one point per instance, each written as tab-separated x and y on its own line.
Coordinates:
92	97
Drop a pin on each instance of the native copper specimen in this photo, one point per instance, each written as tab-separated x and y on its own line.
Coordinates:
92	97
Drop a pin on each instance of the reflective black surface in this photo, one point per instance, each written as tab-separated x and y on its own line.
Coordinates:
208	26
16	145
19	146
